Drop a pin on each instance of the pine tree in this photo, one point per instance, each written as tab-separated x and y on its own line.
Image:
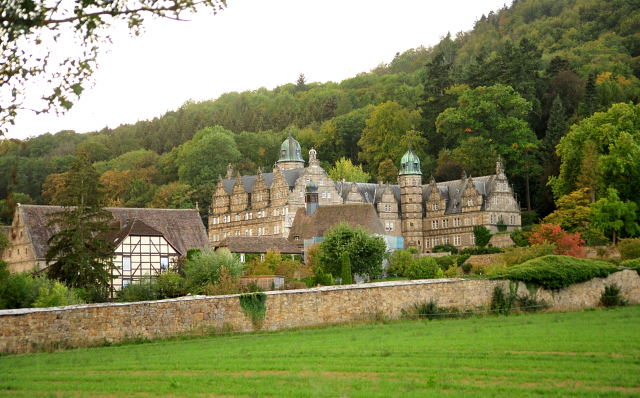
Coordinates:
556	126
590	96
79	255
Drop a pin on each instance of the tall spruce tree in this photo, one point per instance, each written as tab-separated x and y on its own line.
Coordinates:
556	126
79	254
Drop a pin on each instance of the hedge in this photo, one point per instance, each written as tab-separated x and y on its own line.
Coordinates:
557	272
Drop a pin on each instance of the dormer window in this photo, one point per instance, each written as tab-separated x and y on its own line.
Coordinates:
283	153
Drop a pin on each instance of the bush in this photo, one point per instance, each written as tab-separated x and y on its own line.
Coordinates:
293	271
144	290
346	269
321	278
446	262
518	255
611	296
431	310
170	284
445	248
520	238
635	264
629	248
482	235
475	251
227	284
55	294
423	268
254	305
557	272
400	260
206	268
566	244
501	302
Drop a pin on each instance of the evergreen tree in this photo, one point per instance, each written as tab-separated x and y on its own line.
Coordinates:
346	269
301	83
556	126
590	97
79	255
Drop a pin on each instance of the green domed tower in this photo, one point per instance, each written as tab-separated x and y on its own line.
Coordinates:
410	180
290	154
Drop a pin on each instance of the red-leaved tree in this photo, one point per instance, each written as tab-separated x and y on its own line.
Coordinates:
566	244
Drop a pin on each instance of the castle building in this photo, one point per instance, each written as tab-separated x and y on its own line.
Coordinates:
424	215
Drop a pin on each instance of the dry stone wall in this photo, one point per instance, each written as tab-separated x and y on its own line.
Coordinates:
25	330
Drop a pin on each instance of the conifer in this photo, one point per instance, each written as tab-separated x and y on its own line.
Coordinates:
79	254
346	269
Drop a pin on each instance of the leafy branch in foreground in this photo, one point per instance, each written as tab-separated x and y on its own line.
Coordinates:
41	25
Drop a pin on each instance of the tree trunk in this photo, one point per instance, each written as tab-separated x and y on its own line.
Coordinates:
528	197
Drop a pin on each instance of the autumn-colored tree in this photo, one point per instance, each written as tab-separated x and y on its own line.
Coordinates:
566	244
388	172
116	183
572	211
172	196
52	188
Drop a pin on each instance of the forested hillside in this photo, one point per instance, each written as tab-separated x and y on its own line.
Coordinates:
513	86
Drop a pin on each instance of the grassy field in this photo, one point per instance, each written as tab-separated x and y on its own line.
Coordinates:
592	354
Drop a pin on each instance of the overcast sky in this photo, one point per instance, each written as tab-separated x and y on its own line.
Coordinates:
251	44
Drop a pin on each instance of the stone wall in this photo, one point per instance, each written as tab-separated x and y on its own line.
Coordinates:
25	330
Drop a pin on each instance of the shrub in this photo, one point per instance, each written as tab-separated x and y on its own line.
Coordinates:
413	250
227	284
482	235
205	269
466	267
530	303
629	248
501	301
170	284
611	296
518	255
293	270
445	248
557	272
346	269
520	238
56	294
400	260
446	262
144	290
321	278
635	264
474	251
566	244
423	268
431	310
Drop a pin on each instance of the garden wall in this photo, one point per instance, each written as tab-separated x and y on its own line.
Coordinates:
25	330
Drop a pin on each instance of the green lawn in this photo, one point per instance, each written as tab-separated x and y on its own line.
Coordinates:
592	353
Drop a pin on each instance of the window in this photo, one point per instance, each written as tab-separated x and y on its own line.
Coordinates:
434	224
436	241
324	194
126	263
411	224
469	202
125	283
492	219
296	237
164	263
328	194
250	216
427	242
389	225
475	220
251	232
456	240
321	182
246	216
466	221
242	257
445	240
445	223
301	193
456	222
434	206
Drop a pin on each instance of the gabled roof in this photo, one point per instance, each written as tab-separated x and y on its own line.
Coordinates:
325	217
452	191
182	228
258	244
290	177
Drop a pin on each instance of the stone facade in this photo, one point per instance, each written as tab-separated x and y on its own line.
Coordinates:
37	328
424	215
20	255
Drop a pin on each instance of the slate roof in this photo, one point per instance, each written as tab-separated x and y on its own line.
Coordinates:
182	228
258	244
325	217
452	191
290	177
